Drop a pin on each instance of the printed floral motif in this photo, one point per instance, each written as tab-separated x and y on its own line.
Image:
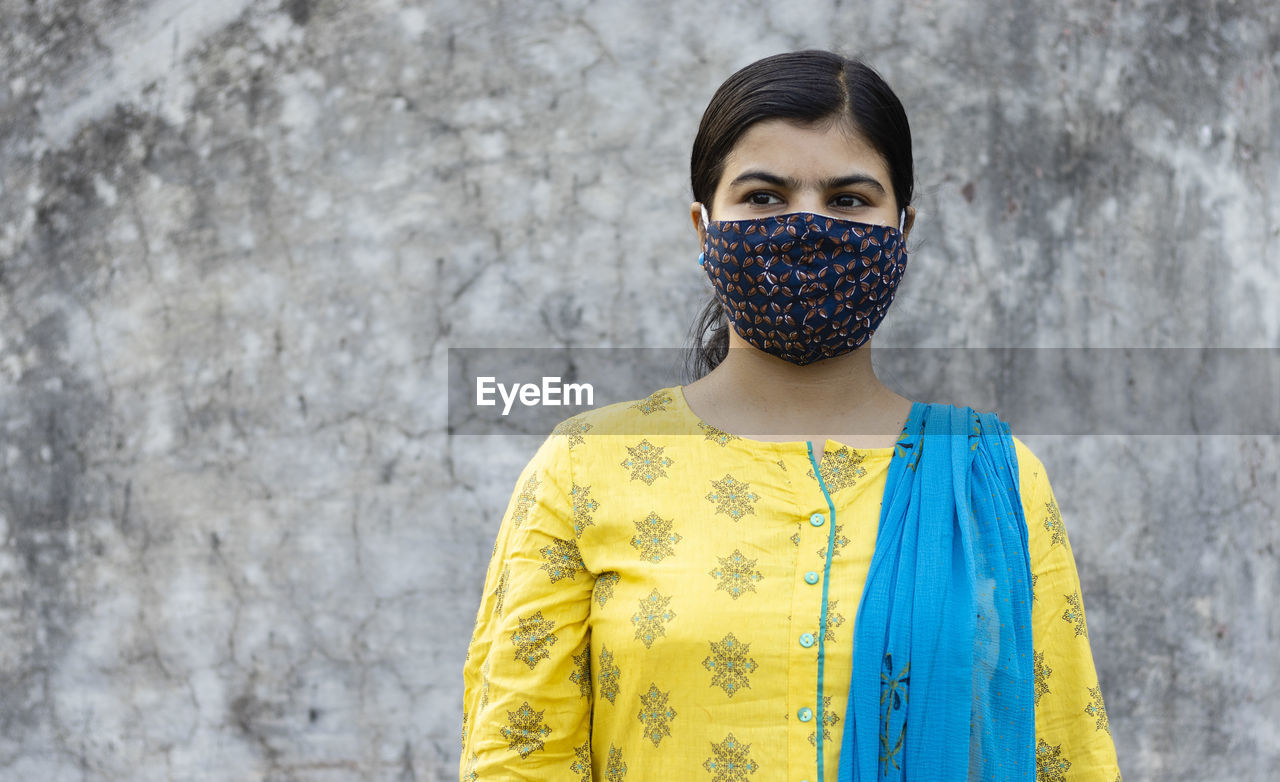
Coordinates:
893	696
654	403
470	775
524	501
834	620
1034	578
829	718
581	675
1053	523
1075	614
1050	765
654	538
525	730
609	675
501	591
561	559
736	574
1097	709
729	664
484	684
603	589
782	465
1042	674
651	620
646	462
795	538
573	428
656	714
582	761
840	468
583	507
732	497
533	639
730	761
717	436
840	542
616	770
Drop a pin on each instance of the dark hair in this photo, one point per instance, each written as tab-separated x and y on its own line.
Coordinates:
806	87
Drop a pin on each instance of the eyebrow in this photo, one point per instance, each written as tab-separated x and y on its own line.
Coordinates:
795	184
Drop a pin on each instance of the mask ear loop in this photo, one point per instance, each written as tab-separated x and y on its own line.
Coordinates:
902	221
706	224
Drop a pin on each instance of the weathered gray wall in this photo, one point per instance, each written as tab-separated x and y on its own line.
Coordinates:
237	238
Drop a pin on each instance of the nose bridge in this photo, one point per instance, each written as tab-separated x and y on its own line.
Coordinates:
810	198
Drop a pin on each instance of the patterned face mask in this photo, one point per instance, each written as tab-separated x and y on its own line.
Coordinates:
802	286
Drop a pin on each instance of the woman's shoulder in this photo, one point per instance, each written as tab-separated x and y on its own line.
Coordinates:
658	413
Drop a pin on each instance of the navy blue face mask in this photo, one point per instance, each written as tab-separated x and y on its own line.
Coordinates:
802	286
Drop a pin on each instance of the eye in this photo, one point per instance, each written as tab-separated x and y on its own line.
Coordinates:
762	198
848	200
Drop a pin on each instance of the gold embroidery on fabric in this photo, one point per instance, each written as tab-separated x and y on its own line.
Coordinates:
729	664
582	761
525	730
840	542
573	428
616	770
840	468
524	501
732	497
736	574
533	639
717	436
1075	614
610	675
603	589
1050	765
653	403
646	462
656	714
834	620
829	719
1053	524
562	559
583	507
1098	710
502	588
654	538
581	675
730	761
1042	674
651	620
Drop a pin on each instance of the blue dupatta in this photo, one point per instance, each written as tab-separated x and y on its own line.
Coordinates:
942	685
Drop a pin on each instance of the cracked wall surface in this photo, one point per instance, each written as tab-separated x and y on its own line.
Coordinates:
237	238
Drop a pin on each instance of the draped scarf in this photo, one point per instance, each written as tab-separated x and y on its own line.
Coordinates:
942	685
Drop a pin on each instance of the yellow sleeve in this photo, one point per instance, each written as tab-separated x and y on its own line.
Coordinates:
1073	738
527	678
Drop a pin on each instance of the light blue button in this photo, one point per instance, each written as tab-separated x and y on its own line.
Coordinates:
806	640
805	714
817	519
811	577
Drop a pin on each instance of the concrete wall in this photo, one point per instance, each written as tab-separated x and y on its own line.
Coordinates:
237	238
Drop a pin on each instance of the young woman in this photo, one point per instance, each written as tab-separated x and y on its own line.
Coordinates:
784	570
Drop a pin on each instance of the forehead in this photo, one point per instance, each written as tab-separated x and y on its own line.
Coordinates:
823	150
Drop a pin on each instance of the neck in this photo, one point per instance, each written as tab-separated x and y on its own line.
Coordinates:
762	392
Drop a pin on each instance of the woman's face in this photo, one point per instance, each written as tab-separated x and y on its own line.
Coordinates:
779	167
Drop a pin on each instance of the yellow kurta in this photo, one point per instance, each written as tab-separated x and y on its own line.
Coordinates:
653	609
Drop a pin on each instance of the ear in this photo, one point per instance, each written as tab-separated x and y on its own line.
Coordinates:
911	219
695	214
